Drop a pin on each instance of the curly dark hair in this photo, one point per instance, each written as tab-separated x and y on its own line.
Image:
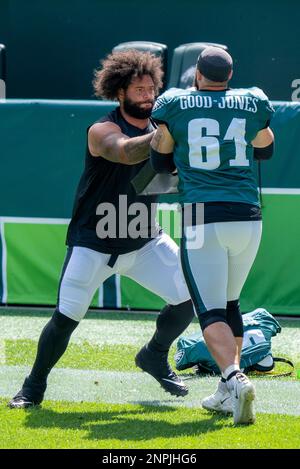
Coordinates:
119	68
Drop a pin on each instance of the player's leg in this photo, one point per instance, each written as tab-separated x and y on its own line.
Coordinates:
157	268
83	271
240	260
242	239
205	268
206	271
220	400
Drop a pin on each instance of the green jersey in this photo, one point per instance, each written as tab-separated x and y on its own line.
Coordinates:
213	131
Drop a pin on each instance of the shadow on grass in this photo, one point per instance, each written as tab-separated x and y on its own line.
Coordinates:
143	422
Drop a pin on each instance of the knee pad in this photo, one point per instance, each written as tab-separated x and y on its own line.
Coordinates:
234	318
212	316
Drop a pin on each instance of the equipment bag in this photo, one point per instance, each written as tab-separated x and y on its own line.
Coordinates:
259	327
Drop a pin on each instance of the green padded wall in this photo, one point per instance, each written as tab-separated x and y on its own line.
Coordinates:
40	164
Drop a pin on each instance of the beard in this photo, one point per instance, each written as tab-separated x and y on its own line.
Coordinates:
135	110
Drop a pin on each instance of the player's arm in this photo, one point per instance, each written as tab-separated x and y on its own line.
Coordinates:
106	140
161	153
263	144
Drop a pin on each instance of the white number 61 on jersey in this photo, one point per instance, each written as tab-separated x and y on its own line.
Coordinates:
236	131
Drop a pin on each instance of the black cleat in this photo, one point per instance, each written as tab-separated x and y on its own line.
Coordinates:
28	396
21	402
156	364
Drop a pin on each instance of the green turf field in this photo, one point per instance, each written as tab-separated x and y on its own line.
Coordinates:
97	398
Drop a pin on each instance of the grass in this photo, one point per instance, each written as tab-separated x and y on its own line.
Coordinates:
109	342
112	358
84	356
111	426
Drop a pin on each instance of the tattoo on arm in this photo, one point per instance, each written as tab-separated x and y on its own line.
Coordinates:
162	141
136	149
155	144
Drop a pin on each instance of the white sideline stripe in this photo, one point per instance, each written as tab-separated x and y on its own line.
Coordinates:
162	206
265	190
33	220
65	384
4	263
62	221
274	191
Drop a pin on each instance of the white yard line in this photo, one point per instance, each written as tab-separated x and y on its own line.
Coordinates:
274	397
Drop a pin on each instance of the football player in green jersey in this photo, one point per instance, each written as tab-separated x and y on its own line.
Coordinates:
212	134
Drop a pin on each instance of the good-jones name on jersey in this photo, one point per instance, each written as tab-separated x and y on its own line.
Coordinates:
244	103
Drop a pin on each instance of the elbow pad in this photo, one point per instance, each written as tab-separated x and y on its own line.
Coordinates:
264	153
162	162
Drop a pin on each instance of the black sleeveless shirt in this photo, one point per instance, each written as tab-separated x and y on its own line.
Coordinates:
103	182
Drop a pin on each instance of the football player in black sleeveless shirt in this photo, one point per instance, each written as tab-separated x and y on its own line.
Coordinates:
117	147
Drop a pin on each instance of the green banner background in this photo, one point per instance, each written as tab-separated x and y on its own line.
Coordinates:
40	165
35	254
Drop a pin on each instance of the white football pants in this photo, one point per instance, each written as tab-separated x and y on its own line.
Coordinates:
156	266
216	271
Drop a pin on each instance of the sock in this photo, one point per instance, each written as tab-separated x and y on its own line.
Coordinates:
229	374
230	371
223	380
52	344
222	386
171	322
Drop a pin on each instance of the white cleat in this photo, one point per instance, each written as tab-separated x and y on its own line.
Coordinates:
220	401
242	395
